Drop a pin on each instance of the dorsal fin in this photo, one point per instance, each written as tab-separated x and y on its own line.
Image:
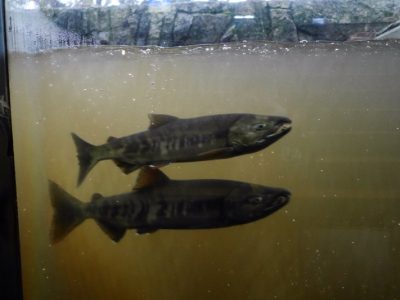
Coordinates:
157	120
96	196
149	177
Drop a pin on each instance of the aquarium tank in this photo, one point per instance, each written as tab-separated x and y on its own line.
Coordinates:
221	149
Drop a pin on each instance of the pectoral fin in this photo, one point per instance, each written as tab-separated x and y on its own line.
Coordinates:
158	165
115	233
216	153
145	230
126	167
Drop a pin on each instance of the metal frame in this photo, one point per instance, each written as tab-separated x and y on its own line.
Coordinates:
10	262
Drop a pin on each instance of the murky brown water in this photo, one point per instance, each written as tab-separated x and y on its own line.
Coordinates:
339	236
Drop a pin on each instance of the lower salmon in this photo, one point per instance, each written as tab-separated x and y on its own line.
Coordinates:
158	202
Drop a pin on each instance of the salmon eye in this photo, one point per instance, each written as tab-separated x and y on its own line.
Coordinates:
260	126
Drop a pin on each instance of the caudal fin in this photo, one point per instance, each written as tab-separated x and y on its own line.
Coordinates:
69	212
85	156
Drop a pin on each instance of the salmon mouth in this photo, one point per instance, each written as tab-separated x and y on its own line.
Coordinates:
282	129
283	198
280	200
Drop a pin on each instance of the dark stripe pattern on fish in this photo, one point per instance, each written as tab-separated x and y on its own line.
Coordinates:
158	202
170	139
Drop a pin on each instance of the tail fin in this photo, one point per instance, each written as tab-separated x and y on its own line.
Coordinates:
69	212
85	156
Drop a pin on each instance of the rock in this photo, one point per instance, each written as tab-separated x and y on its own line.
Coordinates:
166	32
280	4
207	28
183	22
201	7
143	29
161	24
339	20
345	11
251	22
230	35
70	20
282	26
125	23
156	20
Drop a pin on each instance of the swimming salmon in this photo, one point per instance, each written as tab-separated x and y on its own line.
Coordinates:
171	139
158	202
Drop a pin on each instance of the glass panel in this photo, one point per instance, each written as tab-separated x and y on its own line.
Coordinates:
327	69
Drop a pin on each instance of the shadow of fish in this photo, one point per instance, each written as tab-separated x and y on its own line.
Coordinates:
160	203
170	139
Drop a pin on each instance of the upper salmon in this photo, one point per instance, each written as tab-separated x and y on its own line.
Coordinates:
171	139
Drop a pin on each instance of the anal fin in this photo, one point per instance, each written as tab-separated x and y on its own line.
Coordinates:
114	232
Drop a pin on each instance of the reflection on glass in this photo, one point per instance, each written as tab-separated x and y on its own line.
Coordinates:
160	203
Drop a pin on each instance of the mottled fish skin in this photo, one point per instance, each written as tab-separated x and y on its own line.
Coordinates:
181	141
160	203
170	139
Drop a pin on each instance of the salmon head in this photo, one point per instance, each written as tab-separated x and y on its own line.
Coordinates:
252	202
254	132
